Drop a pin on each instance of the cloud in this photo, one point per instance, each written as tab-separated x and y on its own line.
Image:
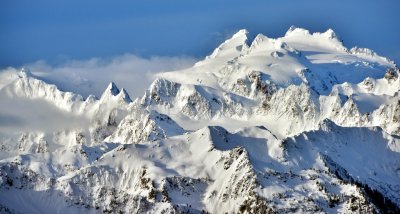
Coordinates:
92	76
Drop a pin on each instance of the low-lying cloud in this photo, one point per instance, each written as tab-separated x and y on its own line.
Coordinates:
92	76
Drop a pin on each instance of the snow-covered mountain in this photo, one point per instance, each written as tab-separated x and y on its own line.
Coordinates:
299	123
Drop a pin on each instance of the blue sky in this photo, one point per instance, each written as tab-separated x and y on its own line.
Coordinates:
55	31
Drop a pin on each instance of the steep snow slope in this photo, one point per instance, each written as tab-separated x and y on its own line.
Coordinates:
293	124
269	75
212	169
295	58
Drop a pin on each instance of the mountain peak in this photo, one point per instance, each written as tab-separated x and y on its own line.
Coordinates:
112	88
232	47
125	96
24	73
330	34
240	33
111	91
293	30
327	125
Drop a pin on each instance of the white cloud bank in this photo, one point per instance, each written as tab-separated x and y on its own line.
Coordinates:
92	76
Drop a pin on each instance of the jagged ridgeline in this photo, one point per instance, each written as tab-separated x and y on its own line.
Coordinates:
297	124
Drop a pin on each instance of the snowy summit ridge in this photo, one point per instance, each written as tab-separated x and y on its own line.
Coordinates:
296	124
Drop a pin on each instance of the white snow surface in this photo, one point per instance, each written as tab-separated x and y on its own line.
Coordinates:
297	124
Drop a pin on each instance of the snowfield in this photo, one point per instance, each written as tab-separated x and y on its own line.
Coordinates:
297	124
